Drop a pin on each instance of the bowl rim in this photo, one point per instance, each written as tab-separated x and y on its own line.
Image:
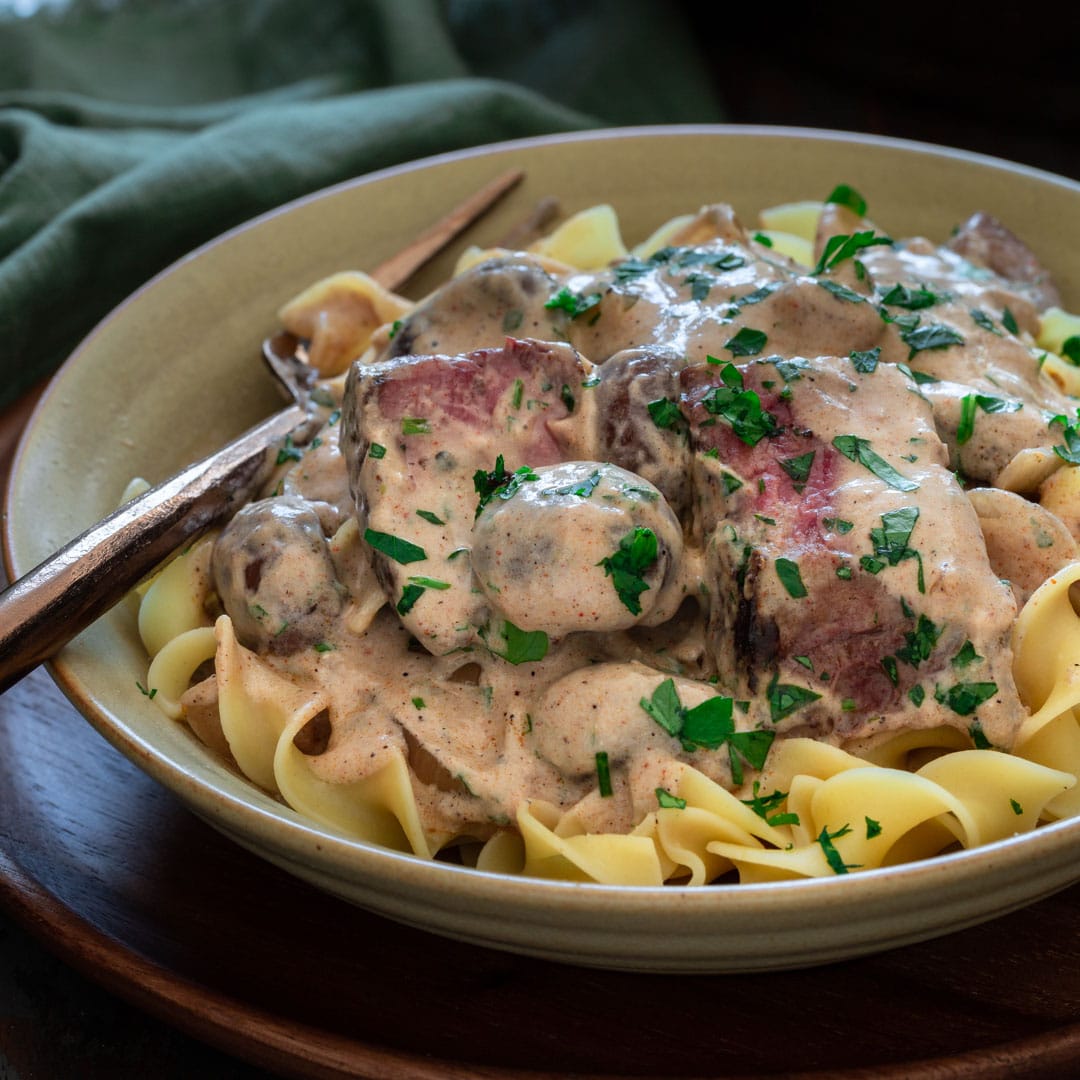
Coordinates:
295	837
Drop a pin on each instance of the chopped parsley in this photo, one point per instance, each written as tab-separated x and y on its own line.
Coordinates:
427	515
603	774
666	801
766	805
393	547
637	552
865	361
1070	452
966	428
932	336
739	407
846	195
288	452
873	828
499	483
707	726
841	247
746	342
965	697
967	655
784	699
841	525
415	425
377	450
666	415
982	320
582	489
920	642
911	299
891	541
841	292
857	449
798	468
574	304
430	583
832	856
788	573
409	595
518	646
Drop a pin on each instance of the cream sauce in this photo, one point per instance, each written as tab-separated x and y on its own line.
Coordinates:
710	467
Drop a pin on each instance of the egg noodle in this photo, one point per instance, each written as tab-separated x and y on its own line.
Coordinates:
733	647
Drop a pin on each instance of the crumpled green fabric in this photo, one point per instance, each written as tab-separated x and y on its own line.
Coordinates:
131	132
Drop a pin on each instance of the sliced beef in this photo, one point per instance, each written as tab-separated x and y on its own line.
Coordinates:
987	242
417	431
832	531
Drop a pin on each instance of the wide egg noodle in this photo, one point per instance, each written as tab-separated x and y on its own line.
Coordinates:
711	815
338	316
380	808
604	857
174	666
256	706
173	603
589	240
1046	647
840	812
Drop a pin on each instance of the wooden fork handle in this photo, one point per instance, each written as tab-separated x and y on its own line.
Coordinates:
47	607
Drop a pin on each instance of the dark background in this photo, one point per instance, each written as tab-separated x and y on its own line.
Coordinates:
1003	83
999	81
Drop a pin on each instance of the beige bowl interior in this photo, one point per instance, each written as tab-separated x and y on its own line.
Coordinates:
175	371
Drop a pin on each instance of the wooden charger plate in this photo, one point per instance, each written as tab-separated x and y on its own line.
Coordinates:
135	891
115	875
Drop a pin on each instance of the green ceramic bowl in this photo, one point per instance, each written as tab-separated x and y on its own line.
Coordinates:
174	372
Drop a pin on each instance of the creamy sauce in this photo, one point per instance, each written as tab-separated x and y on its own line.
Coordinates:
630	515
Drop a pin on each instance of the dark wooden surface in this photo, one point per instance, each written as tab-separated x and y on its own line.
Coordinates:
136	941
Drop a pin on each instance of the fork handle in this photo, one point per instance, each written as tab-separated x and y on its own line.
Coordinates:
48	606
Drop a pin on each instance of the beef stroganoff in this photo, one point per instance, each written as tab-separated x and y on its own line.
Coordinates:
742	555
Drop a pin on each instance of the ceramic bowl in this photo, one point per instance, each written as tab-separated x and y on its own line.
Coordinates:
174	372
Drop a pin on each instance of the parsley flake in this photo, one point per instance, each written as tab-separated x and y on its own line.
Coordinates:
790	577
746	342
857	449
931	336
603	774
574	304
965	697
666	801
499	483
739	407
393	547
637	552
832	856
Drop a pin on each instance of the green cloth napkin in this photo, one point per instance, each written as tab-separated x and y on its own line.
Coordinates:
131	132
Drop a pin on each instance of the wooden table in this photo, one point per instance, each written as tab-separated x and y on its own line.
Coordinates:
217	964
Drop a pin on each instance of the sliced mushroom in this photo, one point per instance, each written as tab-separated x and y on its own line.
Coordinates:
1026	543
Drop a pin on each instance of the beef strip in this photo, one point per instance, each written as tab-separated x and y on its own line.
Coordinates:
839	600
416	431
